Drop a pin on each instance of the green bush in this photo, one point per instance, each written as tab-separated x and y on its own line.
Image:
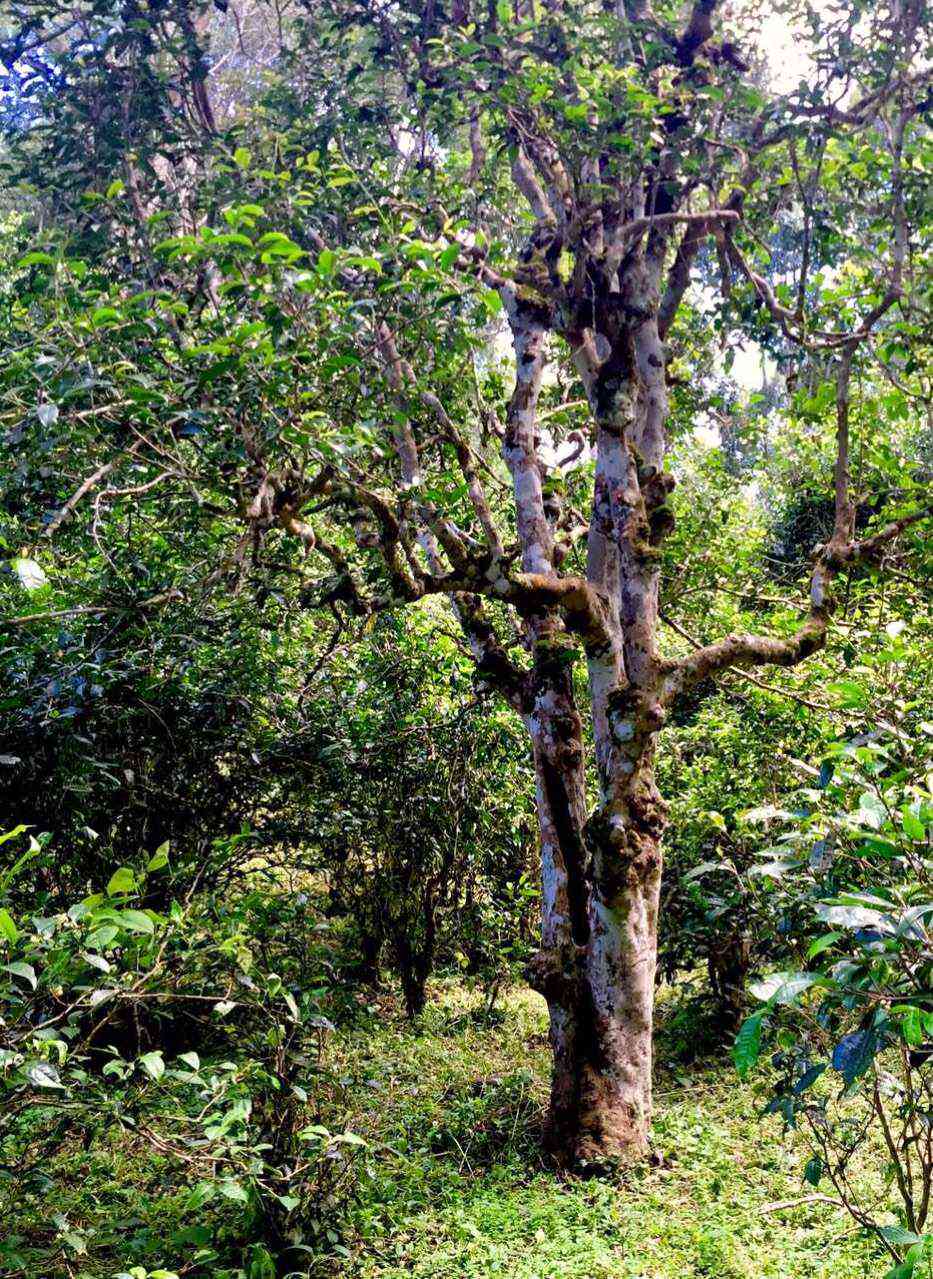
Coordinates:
191	1039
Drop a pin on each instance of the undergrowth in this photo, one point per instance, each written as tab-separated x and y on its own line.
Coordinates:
452	1185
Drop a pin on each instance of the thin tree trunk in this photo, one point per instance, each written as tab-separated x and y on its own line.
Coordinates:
728	962
370	951
557	739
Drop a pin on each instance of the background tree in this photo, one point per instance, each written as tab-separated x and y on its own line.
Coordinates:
416	796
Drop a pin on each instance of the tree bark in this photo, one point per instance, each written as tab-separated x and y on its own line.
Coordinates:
597	973
414	965
557	741
370	951
596	967
601	876
614	995
621	960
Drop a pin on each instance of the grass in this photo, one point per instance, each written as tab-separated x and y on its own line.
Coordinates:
458	1190
453	1186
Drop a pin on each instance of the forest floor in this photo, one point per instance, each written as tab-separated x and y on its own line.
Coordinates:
453	1110
450	1184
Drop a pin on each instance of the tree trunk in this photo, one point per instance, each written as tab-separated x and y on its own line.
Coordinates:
728	962
620	973
370	951
600	877
560	787
414	952
600	993
598	970
599	944
414	967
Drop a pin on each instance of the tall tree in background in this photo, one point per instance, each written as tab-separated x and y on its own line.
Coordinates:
577	166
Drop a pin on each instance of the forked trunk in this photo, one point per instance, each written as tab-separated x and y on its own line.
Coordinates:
597	964
600	875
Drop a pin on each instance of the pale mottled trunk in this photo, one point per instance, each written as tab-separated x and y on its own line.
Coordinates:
600	875
596	968
600	983
620	969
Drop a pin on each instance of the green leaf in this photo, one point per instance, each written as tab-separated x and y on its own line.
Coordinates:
762	815
233	1190
911	1023
261	1264
849	917
42	1074
350	1139
242	157
159	858
783	988
704	868
849	692
326	262
7	928
813	1171
448	257
121	881
871	810
105	315
30	573
101	937
153	1064
747	1047
854	1054
26	971
822	943
913	827
809	1077
136	921
202	1193
898	1234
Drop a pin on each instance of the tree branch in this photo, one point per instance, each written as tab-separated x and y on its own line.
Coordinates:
85	487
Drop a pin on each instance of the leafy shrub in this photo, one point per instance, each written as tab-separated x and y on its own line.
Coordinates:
853	1032
197	1034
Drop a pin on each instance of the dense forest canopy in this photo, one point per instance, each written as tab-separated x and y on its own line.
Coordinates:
465	509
